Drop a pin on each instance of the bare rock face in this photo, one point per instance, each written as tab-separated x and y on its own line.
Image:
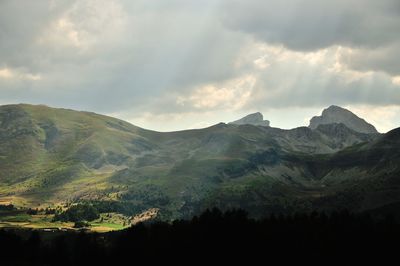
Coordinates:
255	119
335	114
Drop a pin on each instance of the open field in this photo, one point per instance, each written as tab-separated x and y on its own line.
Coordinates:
21	219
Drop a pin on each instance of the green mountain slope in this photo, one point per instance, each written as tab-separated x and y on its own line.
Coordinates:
44	149
51	156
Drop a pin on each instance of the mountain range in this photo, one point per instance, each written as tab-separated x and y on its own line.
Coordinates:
50	156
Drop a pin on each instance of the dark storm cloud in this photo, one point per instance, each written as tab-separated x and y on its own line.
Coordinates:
314	24
381	59
371	27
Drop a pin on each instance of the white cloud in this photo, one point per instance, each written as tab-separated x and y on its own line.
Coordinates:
232	95
6	73
12	74
396	80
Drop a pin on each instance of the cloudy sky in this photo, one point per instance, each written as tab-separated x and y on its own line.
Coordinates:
176	64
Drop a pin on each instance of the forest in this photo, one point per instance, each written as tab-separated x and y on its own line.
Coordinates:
213	236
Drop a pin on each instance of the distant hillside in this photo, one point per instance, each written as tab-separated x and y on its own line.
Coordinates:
50	156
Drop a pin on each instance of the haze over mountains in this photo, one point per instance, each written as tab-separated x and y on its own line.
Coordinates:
49	156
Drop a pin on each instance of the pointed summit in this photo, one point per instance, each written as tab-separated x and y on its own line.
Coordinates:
255	119
336	114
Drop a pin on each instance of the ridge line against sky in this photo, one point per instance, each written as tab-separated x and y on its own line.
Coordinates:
170	65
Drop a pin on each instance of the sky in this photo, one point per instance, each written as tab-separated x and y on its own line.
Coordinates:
177	64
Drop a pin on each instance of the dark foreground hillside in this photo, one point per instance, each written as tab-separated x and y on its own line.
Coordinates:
213	237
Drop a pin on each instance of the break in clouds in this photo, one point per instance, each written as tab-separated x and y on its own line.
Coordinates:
175	64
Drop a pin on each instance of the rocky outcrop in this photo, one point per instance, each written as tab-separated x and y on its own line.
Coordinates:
145	216
255	119
335	114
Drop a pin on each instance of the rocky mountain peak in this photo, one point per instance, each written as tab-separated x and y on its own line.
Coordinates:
336	114
255	119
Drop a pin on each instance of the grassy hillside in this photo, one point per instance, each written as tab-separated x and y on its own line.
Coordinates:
48	153
52	156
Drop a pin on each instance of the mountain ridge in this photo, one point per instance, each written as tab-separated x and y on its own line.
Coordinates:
49	156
